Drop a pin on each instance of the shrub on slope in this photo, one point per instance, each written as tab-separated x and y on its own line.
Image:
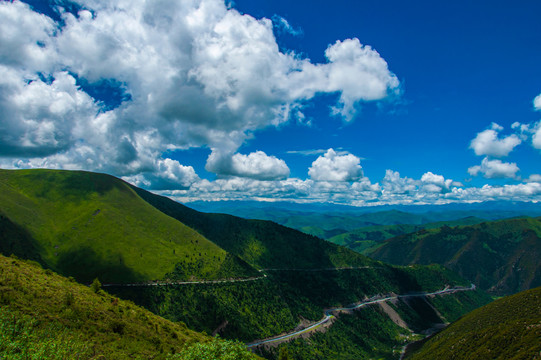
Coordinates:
508	328
44	315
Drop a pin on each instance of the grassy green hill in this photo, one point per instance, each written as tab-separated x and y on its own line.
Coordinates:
263	244
500	256
508	328
367	239
89	225
46	316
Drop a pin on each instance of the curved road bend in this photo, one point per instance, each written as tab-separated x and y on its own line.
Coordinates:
329	315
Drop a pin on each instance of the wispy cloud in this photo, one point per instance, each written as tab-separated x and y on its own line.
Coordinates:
307	152
282	25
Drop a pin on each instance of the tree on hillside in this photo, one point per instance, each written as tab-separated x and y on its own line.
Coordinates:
96	285
284	354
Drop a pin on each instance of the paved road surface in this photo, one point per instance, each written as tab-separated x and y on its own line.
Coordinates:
328	313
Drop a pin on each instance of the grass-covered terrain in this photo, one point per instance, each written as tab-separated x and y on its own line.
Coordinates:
508	328
46	316
366	239
262	244
89	225
501	257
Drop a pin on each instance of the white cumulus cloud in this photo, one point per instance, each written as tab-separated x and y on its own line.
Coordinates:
533	178
528	131
494	169
194	74
536	136
256	165
488	143
335	167
537	102
170	174
437	183
393	183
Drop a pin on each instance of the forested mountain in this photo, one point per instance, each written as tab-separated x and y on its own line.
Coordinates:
508	328
366	239
501	257
89	225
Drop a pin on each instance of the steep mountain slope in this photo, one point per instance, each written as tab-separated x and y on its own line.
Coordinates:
378	331
89	225
46	316
508	328
501	256
262	244
366	239
52	214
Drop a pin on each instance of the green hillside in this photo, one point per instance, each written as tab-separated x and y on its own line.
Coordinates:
260	243
278	303
370	333
89	225
92	225
367	239
508	328
501	257
46	316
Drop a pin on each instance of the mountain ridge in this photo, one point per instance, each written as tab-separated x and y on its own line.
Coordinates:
500	256
89	225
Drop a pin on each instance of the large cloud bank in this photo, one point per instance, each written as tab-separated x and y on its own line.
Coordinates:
179	75
191	74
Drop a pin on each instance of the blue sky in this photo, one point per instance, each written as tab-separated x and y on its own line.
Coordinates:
462	65
201	100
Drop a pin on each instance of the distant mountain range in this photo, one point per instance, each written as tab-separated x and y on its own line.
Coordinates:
502	257
366	239
227	207
328	221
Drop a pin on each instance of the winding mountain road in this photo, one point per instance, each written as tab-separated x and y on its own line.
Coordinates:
225	281
328	315
374	300
168	283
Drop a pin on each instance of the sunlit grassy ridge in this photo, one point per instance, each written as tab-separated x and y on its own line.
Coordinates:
91	225
499	256
508	328
262	244
46	316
